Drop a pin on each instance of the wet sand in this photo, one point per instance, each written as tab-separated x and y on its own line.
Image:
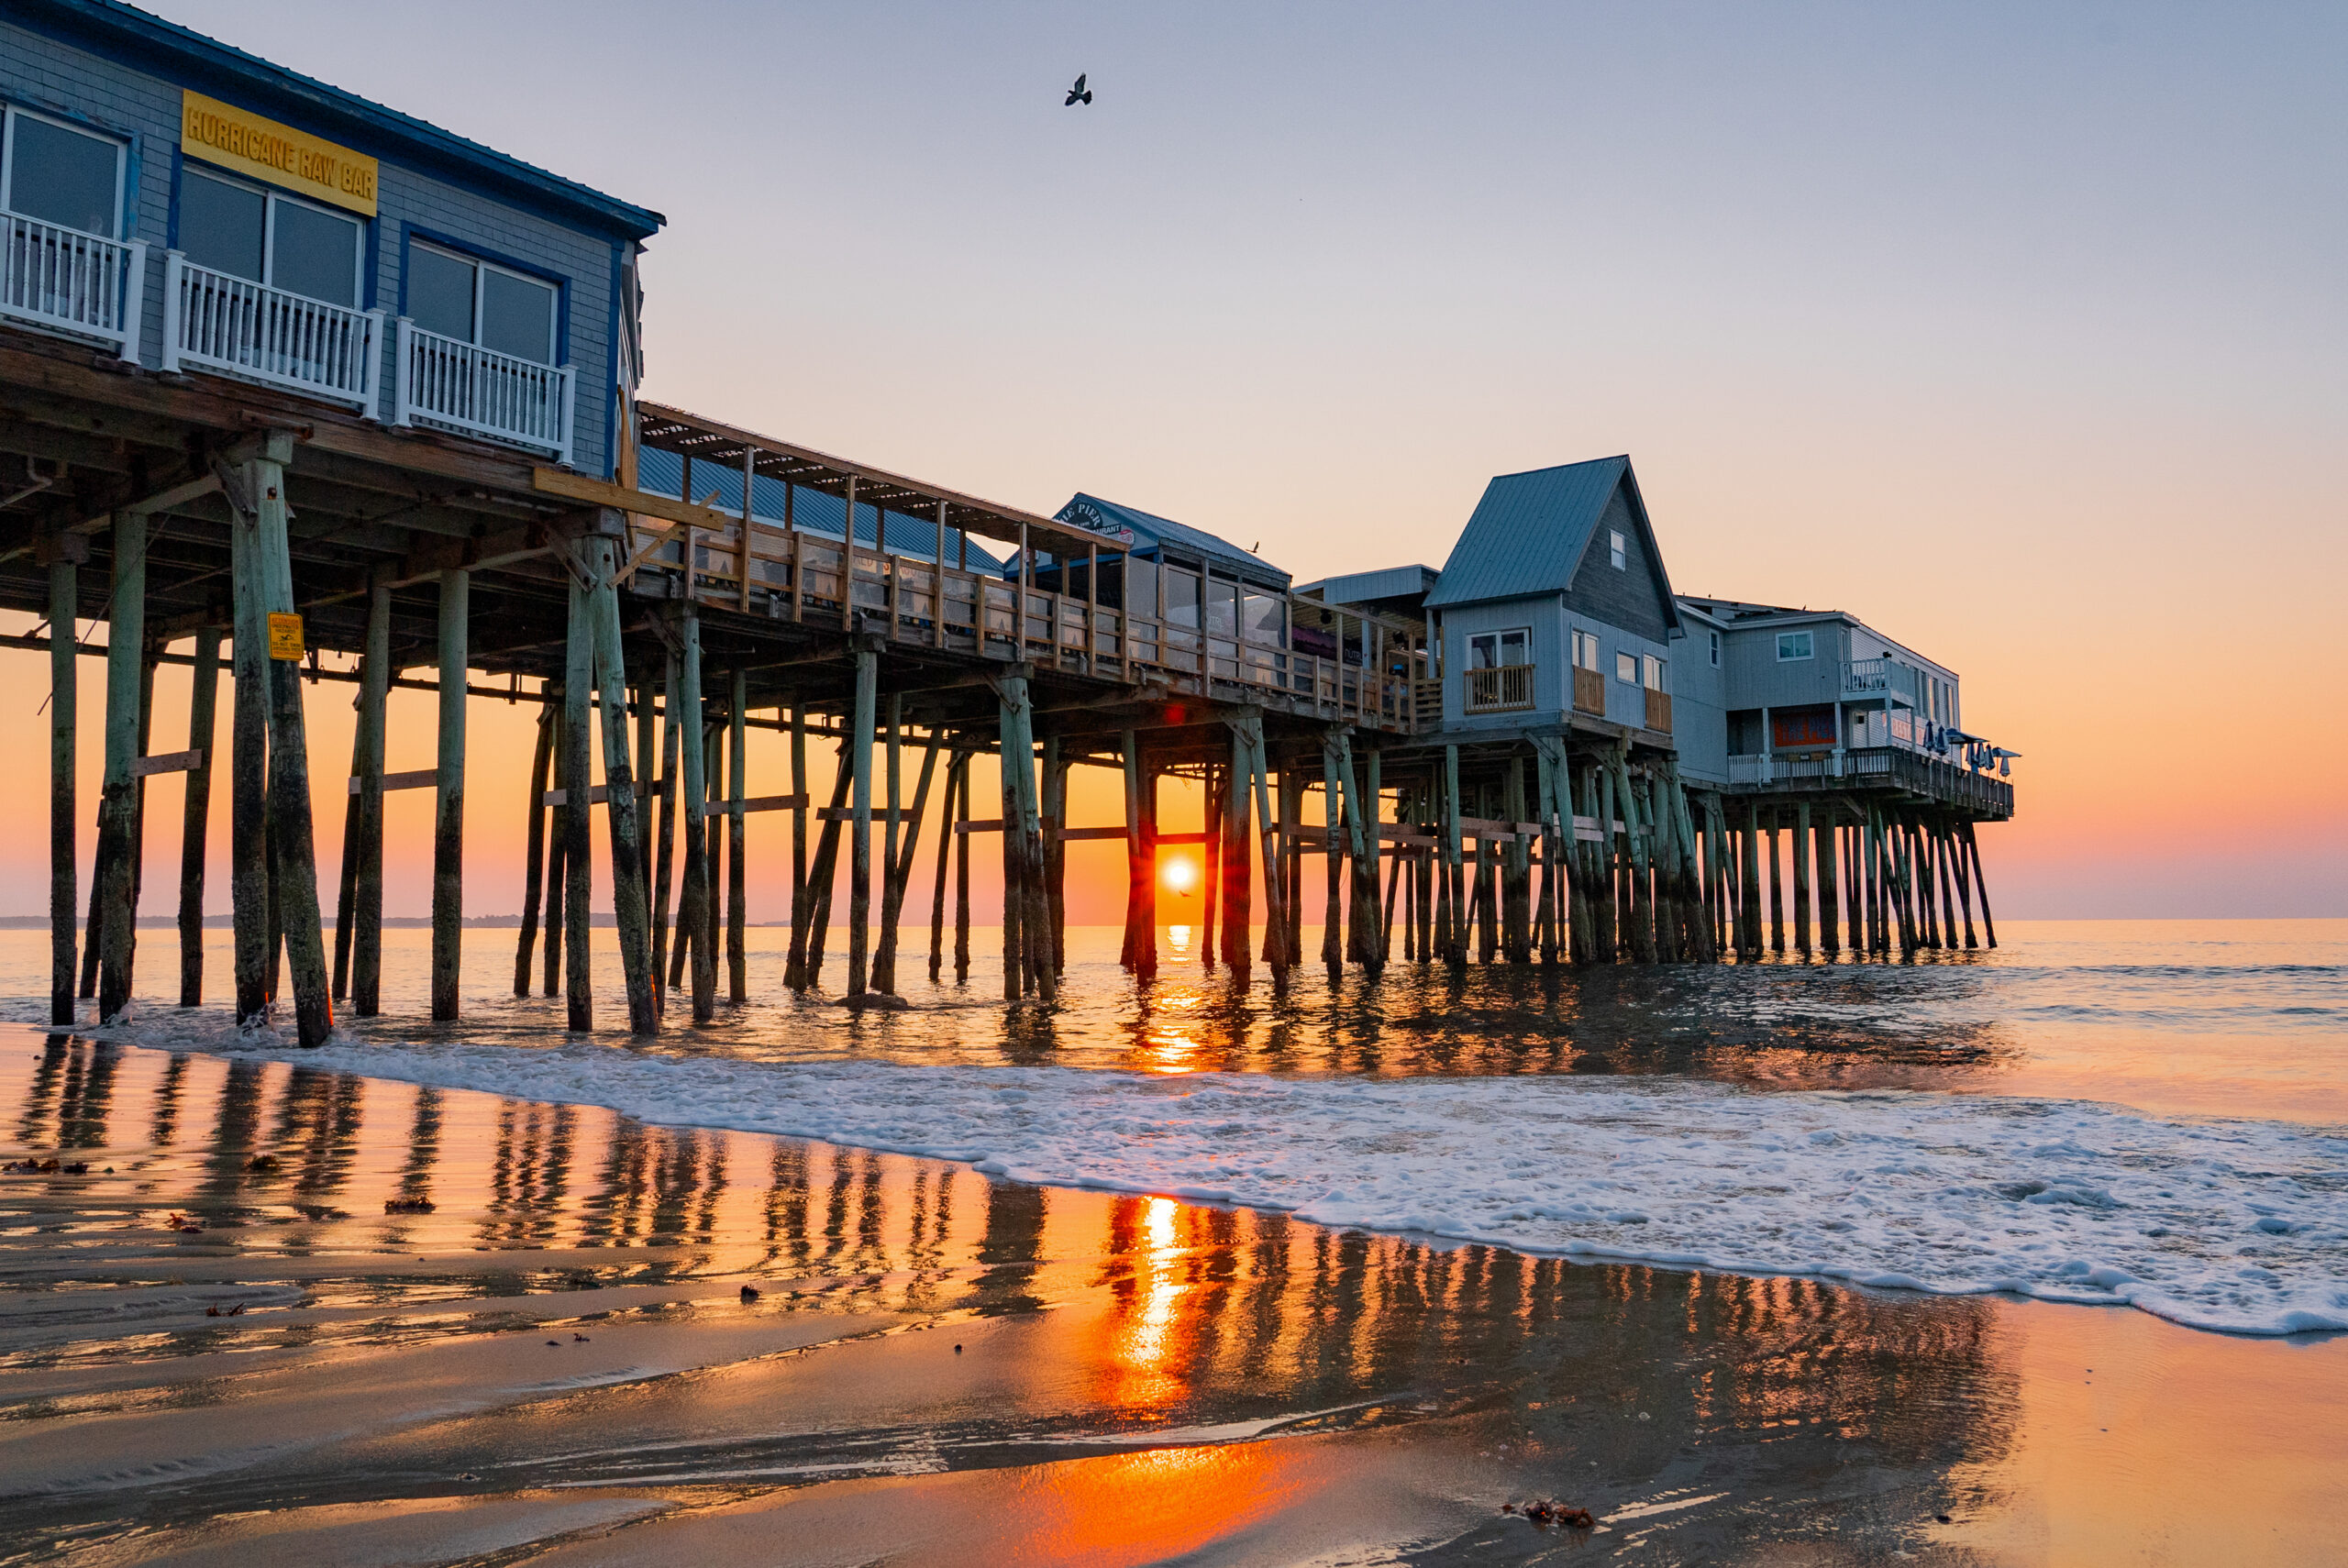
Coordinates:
940	1368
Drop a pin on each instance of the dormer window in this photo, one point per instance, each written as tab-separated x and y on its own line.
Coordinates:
1618	550
60	173
1794	646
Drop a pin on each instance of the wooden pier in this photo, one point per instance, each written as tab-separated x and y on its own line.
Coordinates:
662	630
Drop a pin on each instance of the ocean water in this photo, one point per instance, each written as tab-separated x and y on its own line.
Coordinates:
2151	1114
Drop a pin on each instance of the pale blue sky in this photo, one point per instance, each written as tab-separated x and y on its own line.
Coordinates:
2016	328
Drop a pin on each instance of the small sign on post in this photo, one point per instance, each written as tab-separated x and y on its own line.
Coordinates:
285	637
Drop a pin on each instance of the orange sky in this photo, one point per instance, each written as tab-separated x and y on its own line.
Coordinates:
2015	331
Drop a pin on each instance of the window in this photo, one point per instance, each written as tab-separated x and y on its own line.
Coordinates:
1627	669
60	173
267	238
1652	668
1498	650
1793	645
1617	550
1264	617
1715	639
1586	651
1182	598
479	303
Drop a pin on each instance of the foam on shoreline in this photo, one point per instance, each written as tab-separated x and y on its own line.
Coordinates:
2233	1225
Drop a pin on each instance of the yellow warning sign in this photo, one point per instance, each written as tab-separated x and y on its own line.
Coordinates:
285	637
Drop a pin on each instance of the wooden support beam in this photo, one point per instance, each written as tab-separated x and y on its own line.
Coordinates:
448	815
203	724
737	827
631	917
295	876
859	886
115	873
63	899
694	909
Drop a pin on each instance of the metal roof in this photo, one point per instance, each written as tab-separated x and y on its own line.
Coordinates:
1364	586
189	58
1152	532
913	535
1528	533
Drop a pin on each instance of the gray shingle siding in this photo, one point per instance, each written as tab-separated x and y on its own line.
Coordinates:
1632	598
38	71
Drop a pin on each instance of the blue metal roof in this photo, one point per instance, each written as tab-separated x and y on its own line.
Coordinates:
190	59
1362	587
1153	534
657	472
1528	533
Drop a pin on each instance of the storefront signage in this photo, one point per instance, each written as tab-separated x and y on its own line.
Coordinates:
244	143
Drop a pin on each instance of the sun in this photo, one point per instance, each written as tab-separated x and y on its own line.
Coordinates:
1181	874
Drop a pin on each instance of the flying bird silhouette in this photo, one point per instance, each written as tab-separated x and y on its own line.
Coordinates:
1077	95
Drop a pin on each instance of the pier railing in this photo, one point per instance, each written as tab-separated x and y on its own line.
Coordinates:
461	386
804	577
217	322
72	281
1502	689
1892	766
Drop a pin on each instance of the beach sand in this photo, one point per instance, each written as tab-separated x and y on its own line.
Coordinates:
555	1362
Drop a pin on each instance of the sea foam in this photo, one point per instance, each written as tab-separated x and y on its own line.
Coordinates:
2236	1225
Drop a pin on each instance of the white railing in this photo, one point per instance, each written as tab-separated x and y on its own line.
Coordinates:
217	322
1874	676
76	282
481	392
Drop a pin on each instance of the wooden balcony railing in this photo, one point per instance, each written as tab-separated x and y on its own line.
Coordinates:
1659	712
1504	690
789	574
1590	691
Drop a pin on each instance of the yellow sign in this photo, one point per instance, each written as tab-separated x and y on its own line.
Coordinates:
244	142
285	636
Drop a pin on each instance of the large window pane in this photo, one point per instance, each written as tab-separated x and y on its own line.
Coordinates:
314	254
1182	598
1266	618
63	176
440	293
1222	607
221	225
516	317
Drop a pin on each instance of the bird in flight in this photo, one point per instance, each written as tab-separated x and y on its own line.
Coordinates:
1077	95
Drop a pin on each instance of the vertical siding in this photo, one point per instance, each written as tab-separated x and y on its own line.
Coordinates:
41	72
1630	598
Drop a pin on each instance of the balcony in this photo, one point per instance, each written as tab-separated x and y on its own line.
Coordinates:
478	392
216	321
1659	711
1878	677
70	282
1506	689
1590	691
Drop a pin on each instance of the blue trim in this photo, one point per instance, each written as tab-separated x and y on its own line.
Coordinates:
183	57
128	218
172	218
409	233
612	370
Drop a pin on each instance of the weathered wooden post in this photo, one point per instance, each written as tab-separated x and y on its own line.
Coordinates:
1359	816
962	874
203	723
1973	854
293	853
533	852
1129	755
64	609
1276	921
1749	896
631	919
1941	847
1963	888
794	970
1455	888
347	884
1210	862
579	794
1800	846
825	872
859	886
557	882
664	869
375	675
1333	814
117	935
448	818
693	912
949	816
737	841
1055	820
1830	936
1777	884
